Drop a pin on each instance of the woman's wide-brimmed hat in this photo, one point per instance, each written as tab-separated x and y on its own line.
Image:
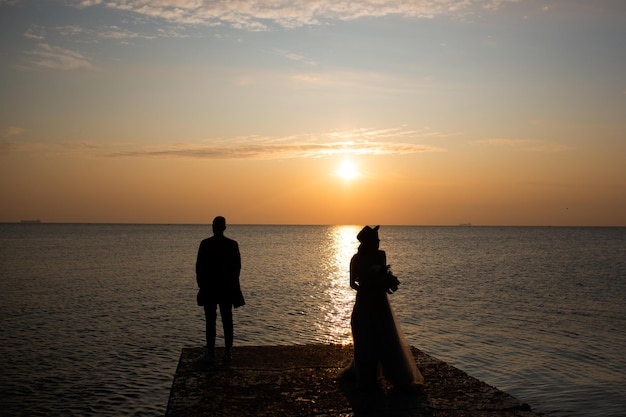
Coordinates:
368	234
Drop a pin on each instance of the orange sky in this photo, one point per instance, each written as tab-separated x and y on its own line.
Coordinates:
430	188
511	114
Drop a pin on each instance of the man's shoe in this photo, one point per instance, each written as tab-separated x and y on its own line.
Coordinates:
206	359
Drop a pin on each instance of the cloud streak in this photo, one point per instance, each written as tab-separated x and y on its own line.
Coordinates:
523	145
296	57
57	58
12	131
278	151
364	141
262	14
62	148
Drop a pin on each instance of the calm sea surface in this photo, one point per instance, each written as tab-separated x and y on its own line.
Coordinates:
94	317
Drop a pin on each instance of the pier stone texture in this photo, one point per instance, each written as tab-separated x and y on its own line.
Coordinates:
303	380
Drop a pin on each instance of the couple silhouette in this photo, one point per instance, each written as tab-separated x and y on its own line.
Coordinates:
380	349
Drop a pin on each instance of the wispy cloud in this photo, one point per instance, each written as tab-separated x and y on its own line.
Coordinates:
117	33
12	131
35	32
7	141
104	32
355	142
296	57
309	79
274	151
502	142
57	58
63	148
262	14
364	141
523	144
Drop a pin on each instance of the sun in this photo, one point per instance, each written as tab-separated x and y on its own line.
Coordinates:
347	170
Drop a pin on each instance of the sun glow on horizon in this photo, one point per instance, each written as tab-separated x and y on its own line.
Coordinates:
347	170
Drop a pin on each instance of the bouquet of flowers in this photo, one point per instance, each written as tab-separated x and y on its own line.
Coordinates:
391	282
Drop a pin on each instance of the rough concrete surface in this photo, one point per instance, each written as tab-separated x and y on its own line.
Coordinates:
303	380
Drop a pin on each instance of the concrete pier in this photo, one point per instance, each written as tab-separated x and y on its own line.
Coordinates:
302	380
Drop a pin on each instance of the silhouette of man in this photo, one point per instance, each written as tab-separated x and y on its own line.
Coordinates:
217	272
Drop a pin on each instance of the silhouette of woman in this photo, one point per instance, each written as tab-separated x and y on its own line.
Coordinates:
379	346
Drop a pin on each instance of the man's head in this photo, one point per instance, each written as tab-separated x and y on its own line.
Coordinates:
219	225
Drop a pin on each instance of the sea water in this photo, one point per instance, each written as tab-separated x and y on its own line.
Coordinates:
94	317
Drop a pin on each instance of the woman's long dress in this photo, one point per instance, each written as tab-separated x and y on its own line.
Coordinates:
379	345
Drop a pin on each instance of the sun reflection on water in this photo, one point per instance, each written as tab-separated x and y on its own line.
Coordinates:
342	244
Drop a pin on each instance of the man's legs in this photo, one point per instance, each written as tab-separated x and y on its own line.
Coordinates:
226	311
210	314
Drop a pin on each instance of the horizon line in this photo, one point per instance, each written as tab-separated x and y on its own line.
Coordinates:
462	225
